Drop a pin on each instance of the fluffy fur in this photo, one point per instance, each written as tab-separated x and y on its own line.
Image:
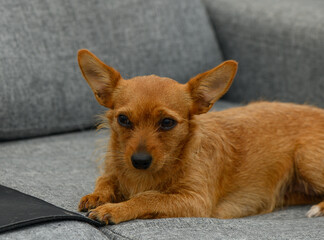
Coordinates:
228	164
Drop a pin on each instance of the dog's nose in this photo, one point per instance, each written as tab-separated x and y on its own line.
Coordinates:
141	160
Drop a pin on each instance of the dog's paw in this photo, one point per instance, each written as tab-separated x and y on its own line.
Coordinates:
109	213
93	200
316	211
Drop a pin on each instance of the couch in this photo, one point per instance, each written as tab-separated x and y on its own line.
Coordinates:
48	113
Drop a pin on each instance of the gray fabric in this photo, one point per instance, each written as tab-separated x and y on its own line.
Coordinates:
42	90
279	46
222	105
285	224
67	230
58	169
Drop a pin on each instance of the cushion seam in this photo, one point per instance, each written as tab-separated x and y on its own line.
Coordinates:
118	234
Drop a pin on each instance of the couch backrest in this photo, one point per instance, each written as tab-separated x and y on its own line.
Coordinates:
279	46
42	90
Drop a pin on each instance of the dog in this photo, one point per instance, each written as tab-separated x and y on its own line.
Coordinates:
167	157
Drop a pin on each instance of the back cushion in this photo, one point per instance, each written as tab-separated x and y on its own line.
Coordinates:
279	46
42	90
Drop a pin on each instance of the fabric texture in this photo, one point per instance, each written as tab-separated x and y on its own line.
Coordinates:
61	169
290	223
67	230
279	46
42	90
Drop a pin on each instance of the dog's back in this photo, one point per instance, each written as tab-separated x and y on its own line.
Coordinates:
276	153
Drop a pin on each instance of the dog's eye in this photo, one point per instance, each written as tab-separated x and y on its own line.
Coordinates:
124	121
167	123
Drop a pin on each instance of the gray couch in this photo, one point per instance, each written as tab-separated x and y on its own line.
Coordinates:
47	111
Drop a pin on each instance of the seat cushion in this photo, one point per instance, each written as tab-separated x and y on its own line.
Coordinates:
42	90
289	223
61	169
58	169
279	46
67	230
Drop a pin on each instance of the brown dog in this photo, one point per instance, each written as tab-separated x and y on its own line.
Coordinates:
167	157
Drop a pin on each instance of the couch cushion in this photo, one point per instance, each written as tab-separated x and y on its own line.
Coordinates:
67	230
290	223
42	90
279	46
61	169
58	169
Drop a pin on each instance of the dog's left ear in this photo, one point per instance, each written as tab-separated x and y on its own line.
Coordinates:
101	78
206	88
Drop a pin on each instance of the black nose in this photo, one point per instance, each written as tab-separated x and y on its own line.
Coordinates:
141	160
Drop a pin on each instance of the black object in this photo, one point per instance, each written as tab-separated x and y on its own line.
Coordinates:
20	210
141	160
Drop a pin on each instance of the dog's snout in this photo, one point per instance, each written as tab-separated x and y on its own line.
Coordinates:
141	160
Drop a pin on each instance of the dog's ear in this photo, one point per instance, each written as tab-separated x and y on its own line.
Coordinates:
101	78
206	88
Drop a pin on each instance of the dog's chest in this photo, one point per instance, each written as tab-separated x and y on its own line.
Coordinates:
131	188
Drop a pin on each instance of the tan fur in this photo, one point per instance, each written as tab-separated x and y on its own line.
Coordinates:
228	164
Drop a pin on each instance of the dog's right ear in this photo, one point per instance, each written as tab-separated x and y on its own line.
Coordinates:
101	78
206	88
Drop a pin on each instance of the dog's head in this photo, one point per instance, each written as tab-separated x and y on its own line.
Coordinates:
150	116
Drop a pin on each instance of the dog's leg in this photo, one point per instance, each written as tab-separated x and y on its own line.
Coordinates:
152	204
105	191
310	167
299	198
244	203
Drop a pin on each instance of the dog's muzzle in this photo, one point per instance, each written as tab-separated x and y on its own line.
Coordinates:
141	160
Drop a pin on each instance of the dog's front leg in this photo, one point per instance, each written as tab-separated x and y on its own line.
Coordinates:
105	192
152	204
